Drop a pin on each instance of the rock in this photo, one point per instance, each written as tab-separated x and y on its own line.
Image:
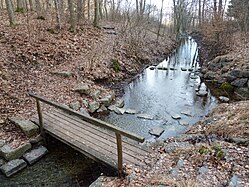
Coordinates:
75	106
2	162
36	140
98	182
82	88
130	111
239	82
13	167
102	109
184	123
2	143
184	69
84	111
93	106
177	145
145	116
239	141
224	99
63	73
119	110
95	95
119	103
84	103
187	113
180	163
152	68
174	172
35	154
234	182
202	93
176	116
190	69
203	170
210	75
111	108
27	127
236	73
9	154
215	66
106	100
157	131
172	68
243	92
230	78
245	74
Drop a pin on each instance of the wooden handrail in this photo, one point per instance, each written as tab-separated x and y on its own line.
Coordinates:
90	119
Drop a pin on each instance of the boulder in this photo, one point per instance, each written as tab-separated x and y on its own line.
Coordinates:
35	154
210	75
102	109
119	103
190	69
245	74
152	67
82	88
224	99
106	100
215	66
75	106
184	69
157	131
36	139
187	113
236	73
13	167
84	103
9	154
27	127
112	107
176	116
239	82
93	106
130	111
145	116
2	143
194	77
2	162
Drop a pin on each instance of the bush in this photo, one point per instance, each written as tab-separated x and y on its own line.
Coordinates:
226	87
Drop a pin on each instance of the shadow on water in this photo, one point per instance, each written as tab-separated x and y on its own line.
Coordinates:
62	167
167	90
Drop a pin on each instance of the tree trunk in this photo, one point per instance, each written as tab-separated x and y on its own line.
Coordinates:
71	16
105	8
199	13
31	5
58	15
160	22
79	11
39	9
2	6
96	14
19	6
12	19
88	10
100	9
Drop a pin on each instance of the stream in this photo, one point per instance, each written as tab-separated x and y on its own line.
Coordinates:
162	93
157	92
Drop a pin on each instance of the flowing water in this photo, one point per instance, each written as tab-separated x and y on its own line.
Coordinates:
159	93
162	93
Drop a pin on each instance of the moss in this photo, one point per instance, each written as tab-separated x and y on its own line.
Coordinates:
226	87
51	30
20	10
115	65
219	153
203	151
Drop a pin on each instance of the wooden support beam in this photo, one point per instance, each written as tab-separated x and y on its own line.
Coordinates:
40	119
120	154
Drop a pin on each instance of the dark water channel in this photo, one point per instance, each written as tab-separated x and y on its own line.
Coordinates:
159	93
162	93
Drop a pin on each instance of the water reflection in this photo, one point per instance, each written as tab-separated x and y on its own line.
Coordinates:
169	89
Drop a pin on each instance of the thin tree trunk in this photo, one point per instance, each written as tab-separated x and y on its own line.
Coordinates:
79	11
39	9
2	6
19	6
105	8
31	5
96	14
160	22
71	16
100	9
88	10
58	16
12	19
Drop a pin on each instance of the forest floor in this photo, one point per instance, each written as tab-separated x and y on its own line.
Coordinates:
214	152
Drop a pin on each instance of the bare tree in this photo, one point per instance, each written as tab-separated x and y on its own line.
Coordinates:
12	19
71	16
96	13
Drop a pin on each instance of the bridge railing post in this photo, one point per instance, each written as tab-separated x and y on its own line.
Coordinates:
40	119
120	154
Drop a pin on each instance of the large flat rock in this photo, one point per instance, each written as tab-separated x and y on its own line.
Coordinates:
157	131
9	154
13	167
35	154
145	116
26	126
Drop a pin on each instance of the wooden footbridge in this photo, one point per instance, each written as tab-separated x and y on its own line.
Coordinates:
94	138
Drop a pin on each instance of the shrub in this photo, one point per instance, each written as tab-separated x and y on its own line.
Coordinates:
115	65
226	87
